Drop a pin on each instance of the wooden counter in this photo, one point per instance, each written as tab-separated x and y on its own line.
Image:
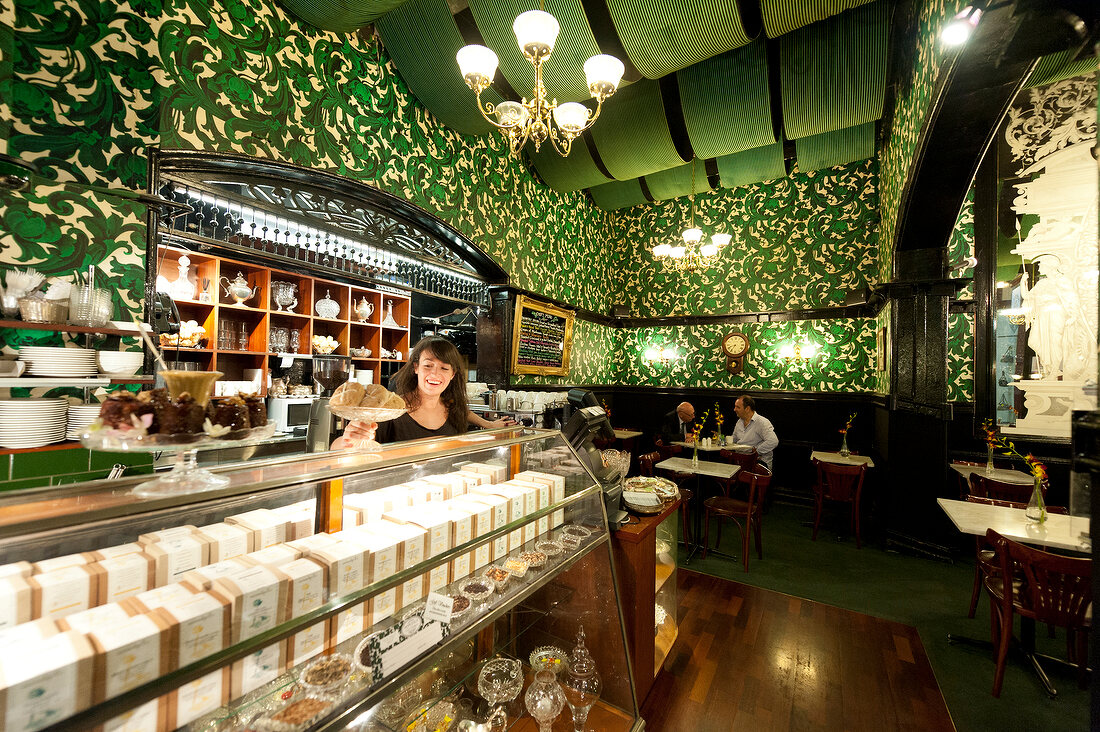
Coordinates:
636	571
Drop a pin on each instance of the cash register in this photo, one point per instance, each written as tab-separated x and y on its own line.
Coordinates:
589	421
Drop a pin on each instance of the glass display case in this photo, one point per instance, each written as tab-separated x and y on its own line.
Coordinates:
665	625
345	590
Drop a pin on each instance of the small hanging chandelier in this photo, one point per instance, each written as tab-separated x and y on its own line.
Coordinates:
691	256
537	119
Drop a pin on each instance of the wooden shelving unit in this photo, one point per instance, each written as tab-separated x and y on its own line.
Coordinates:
260	314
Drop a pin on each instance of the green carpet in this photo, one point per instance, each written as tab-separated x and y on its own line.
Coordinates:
929	595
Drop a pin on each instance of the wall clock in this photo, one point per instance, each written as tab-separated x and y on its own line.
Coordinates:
735	346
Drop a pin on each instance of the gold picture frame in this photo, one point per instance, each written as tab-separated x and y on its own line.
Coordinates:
536	321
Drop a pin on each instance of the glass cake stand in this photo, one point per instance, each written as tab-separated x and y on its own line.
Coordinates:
185	476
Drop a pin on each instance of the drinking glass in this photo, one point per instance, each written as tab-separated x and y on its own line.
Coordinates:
295	340
242	335
226	339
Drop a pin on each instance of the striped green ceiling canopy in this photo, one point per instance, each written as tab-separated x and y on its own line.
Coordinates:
434	78
1060	66
703	81
662	36
833	73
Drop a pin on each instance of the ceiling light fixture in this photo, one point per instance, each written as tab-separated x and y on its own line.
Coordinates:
537	119
959	30
691	255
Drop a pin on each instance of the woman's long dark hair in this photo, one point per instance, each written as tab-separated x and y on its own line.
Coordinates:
404	382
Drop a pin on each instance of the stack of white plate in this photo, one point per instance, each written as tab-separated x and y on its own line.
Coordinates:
59	362
32	422
80	416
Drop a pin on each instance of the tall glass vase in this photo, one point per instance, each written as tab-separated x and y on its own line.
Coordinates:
695	455
989	459
844	451
1036	508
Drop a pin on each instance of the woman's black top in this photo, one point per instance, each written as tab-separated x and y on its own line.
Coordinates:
407	428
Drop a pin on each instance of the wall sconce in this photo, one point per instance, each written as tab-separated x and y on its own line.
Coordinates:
959	30
798	352
660	354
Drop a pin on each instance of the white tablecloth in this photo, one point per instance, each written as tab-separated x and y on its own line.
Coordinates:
1058	531
836	457
1005	476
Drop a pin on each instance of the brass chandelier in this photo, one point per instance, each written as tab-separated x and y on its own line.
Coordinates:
691	256
537	119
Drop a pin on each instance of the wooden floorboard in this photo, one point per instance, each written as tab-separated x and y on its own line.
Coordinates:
753	659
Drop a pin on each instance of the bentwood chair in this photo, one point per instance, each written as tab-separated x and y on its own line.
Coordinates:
986	487
985	559
749	511
645	467
839	483
964	478
1050	589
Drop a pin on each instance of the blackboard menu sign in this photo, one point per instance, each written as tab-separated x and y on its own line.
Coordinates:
542	336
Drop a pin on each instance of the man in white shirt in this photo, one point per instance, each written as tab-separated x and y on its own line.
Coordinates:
754	430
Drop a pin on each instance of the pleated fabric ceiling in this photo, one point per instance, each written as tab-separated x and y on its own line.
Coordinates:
1058	66
342	16
632	135
752	166
567	174
676	182
784	16
833	73
836	148
563	74
618	194
726	104
408	32
662	36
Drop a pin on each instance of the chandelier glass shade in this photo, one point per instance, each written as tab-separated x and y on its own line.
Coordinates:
536	119
692	255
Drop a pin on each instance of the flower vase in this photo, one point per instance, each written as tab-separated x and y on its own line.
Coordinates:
844	451
695	456
1036	508
989	459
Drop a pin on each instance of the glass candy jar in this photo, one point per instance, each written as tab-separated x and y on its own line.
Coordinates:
581	683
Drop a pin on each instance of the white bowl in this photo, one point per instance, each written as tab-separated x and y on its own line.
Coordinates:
120	363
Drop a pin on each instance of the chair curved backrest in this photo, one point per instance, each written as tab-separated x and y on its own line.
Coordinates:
668	451
646	463
758	478
1012	504
746	460
1056	590
987	487
840	482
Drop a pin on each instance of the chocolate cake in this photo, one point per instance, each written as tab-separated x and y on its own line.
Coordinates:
257	411
184	416
117	410
231	412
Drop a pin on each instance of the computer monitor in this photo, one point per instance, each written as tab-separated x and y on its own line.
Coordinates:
595	420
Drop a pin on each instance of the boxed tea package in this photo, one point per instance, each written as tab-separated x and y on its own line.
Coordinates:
197	627
128	654
381	553
149	717
203	578
111	552
176	557
345	565
123	576
256	669
62	592
30	631
86	621
16	569
265	526
536	495
306	591
226	541
481	515
496	473
517	504
500	508
150	600
15	601
274	555
201	696
462	531
412	549
473	478
49	565
45	680
438	525
164	534
556	484
300	518
258	597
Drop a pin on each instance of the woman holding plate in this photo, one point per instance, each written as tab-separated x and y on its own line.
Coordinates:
435	400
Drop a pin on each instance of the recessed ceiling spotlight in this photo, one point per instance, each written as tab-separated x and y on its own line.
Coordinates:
959	30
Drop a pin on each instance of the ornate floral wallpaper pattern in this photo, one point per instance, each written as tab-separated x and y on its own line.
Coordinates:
822	225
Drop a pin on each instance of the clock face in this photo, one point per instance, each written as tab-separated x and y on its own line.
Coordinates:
735	344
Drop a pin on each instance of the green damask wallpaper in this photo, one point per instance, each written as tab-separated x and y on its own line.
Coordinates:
846	361
822	225
960	357
97	83
910	108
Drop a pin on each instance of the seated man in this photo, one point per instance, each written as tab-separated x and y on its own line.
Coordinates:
754	430
677	422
